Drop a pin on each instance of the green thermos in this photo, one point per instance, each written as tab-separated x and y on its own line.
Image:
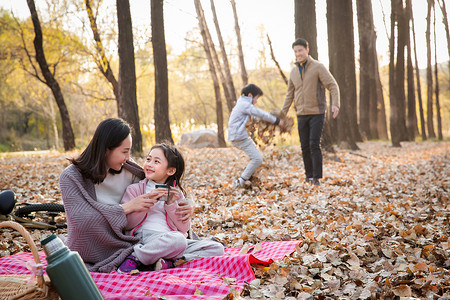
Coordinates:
67	271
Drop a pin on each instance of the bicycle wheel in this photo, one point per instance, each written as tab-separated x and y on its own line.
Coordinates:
41	207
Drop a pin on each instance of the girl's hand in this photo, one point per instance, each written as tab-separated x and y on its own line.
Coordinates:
185	211
175	195
141	203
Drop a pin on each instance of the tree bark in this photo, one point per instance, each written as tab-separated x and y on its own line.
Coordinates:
368	113
445	22
226	65
102	61
411	121
403	33
128	108
237	29
212	70
419	89
161	104
436	77
430	122
342	66
305	24
50	81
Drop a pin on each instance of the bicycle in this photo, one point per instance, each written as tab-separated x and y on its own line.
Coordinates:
31	215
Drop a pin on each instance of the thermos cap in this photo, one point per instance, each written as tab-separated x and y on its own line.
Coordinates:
52	244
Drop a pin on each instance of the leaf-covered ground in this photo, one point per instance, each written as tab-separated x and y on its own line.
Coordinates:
377	227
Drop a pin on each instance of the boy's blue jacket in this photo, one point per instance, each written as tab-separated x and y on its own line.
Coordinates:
240	115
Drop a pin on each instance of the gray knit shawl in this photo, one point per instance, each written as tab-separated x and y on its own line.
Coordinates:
95	230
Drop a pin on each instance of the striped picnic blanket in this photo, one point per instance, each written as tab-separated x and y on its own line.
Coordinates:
205	278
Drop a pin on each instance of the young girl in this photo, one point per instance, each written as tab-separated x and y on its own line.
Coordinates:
162	232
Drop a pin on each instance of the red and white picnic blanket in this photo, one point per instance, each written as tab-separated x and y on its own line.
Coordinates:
206	274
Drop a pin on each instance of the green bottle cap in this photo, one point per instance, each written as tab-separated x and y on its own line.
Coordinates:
48	239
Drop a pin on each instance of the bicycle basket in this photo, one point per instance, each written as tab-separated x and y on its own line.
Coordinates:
16	286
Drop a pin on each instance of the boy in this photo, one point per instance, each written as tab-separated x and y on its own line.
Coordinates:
237	132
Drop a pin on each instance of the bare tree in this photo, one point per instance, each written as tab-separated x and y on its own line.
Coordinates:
50	81
445	21
411	120
102	61
430	122
244	74
275	60
128	109
436	77
419	89
305	24
368	114
226	65
161	105
342	66
213	72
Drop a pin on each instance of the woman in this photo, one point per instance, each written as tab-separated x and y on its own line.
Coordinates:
91	189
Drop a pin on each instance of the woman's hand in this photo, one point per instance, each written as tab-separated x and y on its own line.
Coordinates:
184	211
141	203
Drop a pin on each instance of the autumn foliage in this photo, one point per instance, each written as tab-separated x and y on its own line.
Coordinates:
377	227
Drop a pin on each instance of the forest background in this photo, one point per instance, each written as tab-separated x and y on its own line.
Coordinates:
29	116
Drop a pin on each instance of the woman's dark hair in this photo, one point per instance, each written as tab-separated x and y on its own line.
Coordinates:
300	42
251	89
109	134
175	160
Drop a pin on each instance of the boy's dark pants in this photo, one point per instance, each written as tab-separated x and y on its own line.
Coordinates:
310	130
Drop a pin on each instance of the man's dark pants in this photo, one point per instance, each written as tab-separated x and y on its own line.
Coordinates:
310	130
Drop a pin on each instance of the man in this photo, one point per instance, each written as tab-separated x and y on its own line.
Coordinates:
306	88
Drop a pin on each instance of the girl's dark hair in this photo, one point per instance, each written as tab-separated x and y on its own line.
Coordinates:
175	160
300	42
109	134
251	89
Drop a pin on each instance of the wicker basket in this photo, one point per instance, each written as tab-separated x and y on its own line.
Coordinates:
17	286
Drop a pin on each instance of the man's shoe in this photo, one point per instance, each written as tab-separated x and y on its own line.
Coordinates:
130	263
163	264
315	181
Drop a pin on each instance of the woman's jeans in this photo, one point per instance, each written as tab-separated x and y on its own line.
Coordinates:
249	147
310	130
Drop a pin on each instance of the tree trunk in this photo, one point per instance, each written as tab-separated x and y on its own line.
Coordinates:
275	60
395	133
102	61
368	113
399	73
411	121
128	108
419	89
244	75
50	81
305	24
226	65
381	107
212	69
342	66
430	122
161	105
436	77
445	22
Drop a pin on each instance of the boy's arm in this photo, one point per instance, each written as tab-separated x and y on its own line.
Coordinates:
259	113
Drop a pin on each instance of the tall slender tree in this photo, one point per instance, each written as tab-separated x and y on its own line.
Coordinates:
411	120
226	65
305	24
436	77
49	79
161	104
430	122
419	88
447	30
394	111
128	108
368	114
101	60
342	66
213	72
237	29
